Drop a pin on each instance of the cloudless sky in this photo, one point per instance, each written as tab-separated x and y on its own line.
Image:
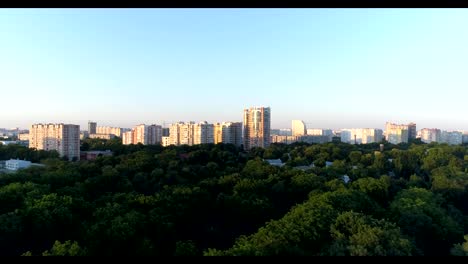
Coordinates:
332	68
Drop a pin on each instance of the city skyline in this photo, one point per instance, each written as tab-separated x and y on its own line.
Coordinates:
331	68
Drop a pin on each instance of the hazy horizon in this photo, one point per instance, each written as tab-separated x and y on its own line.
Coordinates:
331	68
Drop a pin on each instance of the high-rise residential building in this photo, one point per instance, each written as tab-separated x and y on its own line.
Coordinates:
218	133
64	138
429	135
92	127
451	137
127	138
256	124
191	133
361	135
166	141
144	134
298	128
411	131
116	131
203	133
228	133
181	133
165	132
396	134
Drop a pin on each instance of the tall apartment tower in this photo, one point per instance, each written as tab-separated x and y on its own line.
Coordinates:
64	138
182	133
298	128
92	127
228	133
411	131
203	133
257	122
396	134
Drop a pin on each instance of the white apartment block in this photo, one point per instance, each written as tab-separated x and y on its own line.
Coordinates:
361	135
429	135
298	128
64	138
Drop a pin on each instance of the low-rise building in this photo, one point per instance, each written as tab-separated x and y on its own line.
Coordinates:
92	155
102	136
16	164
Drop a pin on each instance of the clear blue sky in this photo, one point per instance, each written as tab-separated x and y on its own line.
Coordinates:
332	68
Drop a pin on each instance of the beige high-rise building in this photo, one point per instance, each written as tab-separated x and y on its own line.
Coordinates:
256	124
64	138
181	133
298	128
396	134
228	133
191	133
127	137
203	133
166	141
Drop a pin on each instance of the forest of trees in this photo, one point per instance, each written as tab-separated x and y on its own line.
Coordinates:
217	200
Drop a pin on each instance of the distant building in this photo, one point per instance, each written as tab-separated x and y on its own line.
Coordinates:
165	131
127	138
284	139
361	135
228	133
64	138
92	127
275	162
298	128
315	139
23	137
116	131
92	155
166	141
395	133
84	135
452	137
203	133
144	134
102	136
429	135
411	131
16	164
5	142
465	137
191	133
319	132
257	127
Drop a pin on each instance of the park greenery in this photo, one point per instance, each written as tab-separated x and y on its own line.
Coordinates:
217	200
